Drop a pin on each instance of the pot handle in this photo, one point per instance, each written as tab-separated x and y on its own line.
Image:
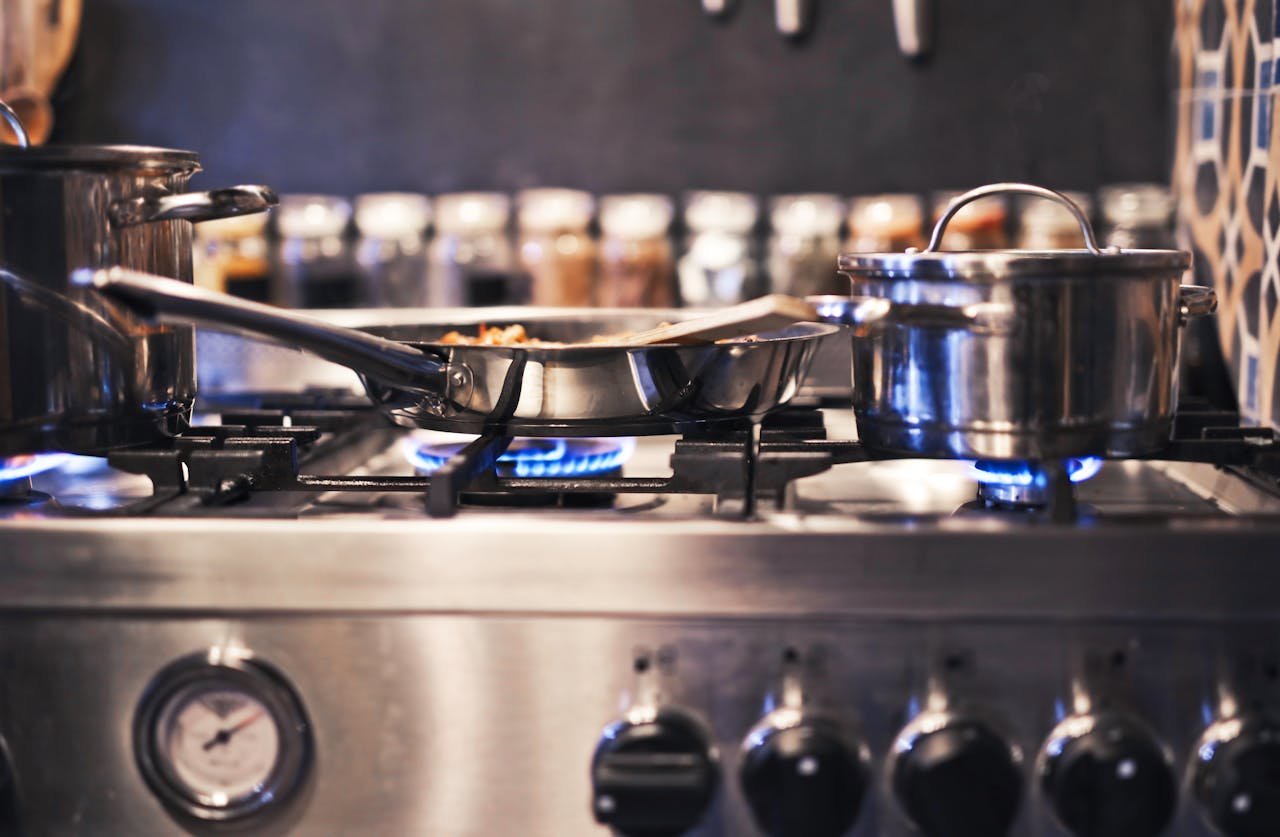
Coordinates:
1195	301
935	240
385	361
865	310
193	206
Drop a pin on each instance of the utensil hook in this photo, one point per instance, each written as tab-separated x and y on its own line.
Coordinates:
1086	229
19	130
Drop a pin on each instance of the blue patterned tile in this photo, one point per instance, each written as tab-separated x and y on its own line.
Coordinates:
1251	385
1208	108
1264	122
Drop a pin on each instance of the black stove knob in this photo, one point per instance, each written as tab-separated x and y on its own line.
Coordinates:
654	777
957	778
804	780
1236	776
1107	777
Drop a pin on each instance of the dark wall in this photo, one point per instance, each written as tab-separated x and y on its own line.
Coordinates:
354	95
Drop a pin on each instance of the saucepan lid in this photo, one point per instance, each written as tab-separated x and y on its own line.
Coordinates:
25	156
933	263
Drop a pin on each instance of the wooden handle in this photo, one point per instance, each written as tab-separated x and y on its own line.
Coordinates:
764	314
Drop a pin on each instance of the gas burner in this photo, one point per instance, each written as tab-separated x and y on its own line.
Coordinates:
16	473
533	458
1026	485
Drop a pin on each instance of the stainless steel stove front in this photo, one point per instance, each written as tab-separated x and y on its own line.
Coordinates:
457	675
454	677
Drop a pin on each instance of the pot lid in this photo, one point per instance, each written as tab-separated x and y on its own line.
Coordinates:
996	265
15	158
25	157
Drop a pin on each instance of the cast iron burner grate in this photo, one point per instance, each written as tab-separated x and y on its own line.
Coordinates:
284	445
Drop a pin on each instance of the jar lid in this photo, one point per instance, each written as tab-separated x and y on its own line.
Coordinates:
1035	213
472	212
553	210
392	215
1136	204
312	216
988	266
808	215
729	212
636	215
235	228
885	215
978	213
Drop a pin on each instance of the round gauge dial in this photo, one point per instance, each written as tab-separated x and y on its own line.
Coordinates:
221	736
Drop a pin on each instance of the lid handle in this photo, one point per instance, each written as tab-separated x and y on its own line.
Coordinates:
935	241
20	131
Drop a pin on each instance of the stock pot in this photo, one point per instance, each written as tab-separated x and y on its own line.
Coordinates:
78	372
1016	354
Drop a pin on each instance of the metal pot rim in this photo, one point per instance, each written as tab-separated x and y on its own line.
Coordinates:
987	266
169	160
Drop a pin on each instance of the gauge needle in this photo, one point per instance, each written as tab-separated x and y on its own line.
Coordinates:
224	735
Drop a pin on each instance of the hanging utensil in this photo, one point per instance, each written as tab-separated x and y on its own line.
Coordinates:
913	22
792	16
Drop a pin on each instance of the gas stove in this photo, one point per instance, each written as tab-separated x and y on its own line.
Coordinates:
297	617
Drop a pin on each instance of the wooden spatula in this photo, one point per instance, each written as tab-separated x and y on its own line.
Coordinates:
764	314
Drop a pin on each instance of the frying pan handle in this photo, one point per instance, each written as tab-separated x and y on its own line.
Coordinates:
384	361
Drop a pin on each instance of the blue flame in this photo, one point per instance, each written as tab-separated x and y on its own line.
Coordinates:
21	467
536	457
991	472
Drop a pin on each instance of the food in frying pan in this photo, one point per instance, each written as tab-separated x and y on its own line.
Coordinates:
512	335
515	335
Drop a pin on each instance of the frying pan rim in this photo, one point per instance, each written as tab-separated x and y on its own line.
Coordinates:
813	331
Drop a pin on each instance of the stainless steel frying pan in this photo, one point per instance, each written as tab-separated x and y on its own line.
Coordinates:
579	390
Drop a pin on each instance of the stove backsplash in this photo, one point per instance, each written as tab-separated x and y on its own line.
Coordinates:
629	95
1227	178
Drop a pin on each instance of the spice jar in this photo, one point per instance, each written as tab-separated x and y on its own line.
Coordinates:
718	266
805	244
885	224
1137	216
1048	225
635	253
556	250
471	261
390	251
316	268
979	225
231	256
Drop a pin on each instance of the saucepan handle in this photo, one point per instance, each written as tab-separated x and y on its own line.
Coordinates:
385	361
193	206
1195	301
957	203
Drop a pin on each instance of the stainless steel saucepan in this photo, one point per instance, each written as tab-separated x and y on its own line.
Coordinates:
66	383
1016	354
572	390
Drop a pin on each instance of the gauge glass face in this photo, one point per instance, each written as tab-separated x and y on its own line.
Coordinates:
219	743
